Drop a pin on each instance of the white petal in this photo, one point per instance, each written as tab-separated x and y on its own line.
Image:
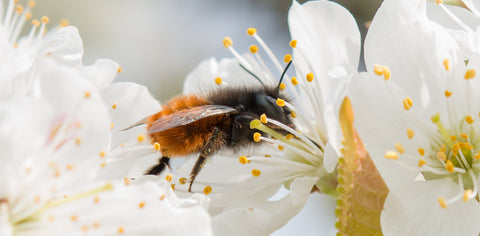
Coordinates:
412	208
102	72
327	36
64	47
259	218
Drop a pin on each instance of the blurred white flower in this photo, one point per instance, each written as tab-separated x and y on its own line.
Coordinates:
326	50
58	125
417	112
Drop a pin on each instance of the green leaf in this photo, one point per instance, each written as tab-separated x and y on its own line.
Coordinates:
361	189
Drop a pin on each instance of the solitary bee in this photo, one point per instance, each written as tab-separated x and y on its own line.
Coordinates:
191	123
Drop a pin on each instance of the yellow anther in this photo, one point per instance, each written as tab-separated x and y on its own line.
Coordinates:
421	162
218	80
266	155
467	195
253	49
293	114
280	102
435	118
162	197
87	94
469	119
140	138
438	1
295	82
207	190
280	147
243	160
256	137
449	166
441	156
391	155
64	23
251	31
453	138
446	63
256	172
310	77
35	23
51	218
32	3
74	218
407	103
399	148
421	151
470	74
19	9
103	164
141	205
45	20
114	105
28	16
156	146
410	133
120	230
126	181
282	86
112	125
263	118
293	43
477	156
287	58
182	181
84	228
172	186
289	136
448	93
464	136
227	42
70	167
96	225
96	199
442	202
78	141
119	69
382	70
169	177
443	148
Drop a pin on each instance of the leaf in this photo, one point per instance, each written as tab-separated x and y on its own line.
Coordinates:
361	189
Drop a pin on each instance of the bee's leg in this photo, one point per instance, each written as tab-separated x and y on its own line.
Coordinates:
212	145
158	168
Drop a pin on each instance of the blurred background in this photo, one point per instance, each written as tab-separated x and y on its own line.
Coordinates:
157	43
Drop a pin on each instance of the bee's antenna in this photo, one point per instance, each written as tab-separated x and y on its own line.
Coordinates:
283	73
252	74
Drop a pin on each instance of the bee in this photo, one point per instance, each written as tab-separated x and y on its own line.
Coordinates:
206	124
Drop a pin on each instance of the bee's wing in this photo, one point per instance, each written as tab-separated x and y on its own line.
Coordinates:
188	116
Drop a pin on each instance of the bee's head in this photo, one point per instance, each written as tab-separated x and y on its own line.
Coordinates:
269	103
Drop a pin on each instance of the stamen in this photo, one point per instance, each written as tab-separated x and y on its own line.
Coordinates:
218	80
120	230
287	58
410	133
469	119
253	49
467	195
263	118
169	177
120	69
407	103
87	94
207	190
256	137
65	23
293	43
156	146
421	162
282	86
470	74
399	148
442	202
280	102
438	1
182	181
295	82
114	105
227	42
256	172
391	155
141	205
140	138
382	70
310	77
243	160
448	93
446	63
441	156
449	166
251	31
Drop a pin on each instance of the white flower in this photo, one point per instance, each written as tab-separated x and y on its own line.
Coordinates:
50	157
326	49
417	113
